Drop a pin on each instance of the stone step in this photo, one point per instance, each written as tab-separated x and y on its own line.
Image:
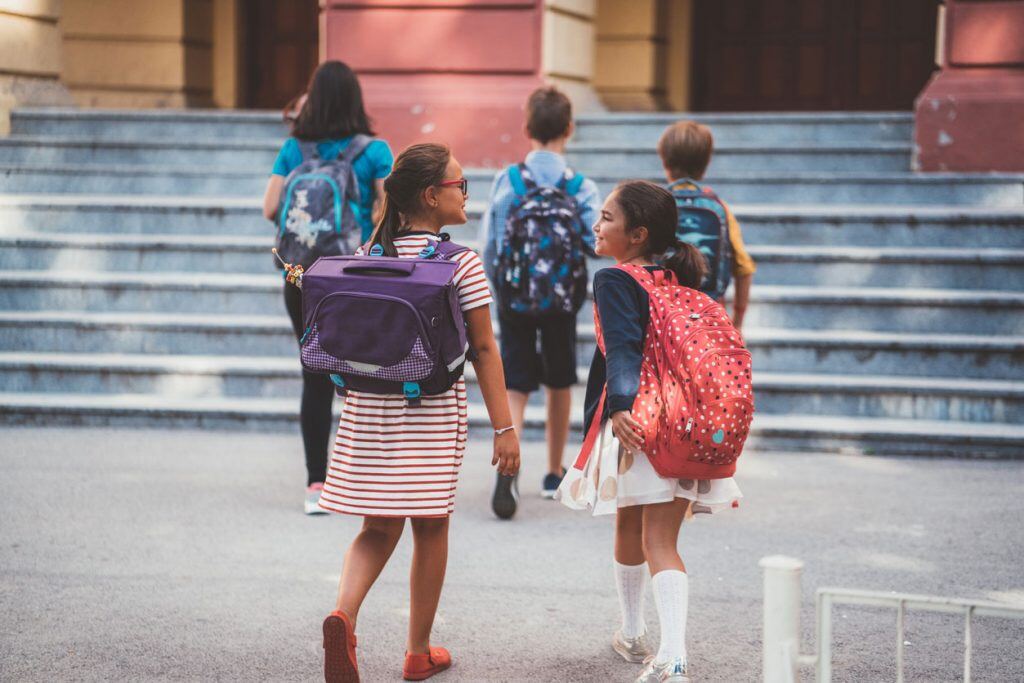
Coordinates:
777	432
823	225
899	267
775	350
643	130
943	311
279	377
160	215
137	253
786	306
588	158
151	124
992	190
133	180
928	267
604	159
635	128
49	150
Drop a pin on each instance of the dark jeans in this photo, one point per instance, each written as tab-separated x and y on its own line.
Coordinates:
317	399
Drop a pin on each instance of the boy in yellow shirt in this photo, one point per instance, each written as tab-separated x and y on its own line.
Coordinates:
705	220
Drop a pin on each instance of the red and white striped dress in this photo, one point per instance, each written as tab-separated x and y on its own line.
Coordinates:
395	460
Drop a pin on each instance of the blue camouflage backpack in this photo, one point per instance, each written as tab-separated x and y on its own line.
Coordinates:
541	265
319	205
704	223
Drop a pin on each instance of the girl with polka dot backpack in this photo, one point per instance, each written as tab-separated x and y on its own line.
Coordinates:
668	409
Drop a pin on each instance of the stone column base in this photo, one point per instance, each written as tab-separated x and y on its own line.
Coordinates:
23	91
479	117
970	120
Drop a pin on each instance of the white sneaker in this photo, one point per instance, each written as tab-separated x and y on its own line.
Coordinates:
312	505
673	671
633	650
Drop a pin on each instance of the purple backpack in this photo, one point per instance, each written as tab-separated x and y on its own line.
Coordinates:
385	325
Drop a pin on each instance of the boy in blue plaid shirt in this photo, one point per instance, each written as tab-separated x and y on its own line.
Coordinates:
551	360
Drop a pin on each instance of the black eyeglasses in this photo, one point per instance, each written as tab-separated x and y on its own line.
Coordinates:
462	183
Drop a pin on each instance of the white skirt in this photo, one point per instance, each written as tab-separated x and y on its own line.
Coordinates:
614	478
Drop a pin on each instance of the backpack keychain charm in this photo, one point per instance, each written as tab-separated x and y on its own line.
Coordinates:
292	274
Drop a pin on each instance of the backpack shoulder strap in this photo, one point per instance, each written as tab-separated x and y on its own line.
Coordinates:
308	149
571	182
356	146
521	179
645	278
446	248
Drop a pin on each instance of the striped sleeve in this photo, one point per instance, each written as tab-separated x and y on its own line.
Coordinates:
471	281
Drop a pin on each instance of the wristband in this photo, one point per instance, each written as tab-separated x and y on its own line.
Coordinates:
499	432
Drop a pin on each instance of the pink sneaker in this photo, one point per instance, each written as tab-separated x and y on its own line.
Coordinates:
313	499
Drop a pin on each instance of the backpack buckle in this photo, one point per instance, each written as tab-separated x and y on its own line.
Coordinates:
428	251
339	384
411	391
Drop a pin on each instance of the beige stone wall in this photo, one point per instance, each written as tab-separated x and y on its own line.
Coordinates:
630	36
125	53
227	51
643	53
678	51
30	55
567	52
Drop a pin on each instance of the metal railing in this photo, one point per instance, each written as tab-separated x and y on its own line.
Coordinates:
782	657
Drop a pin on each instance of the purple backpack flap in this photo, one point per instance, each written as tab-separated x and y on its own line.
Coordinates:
384	325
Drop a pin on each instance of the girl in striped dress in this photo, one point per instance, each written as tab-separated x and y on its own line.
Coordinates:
393	460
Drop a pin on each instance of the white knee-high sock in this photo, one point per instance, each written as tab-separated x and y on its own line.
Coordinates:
672	598
631	583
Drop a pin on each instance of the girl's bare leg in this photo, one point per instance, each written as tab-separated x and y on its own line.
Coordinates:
365	559
629	547
661	524
429	561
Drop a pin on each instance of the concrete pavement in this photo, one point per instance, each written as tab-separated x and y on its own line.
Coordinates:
183	555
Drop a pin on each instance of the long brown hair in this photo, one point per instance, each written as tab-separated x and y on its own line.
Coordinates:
334	105
416	168
645	204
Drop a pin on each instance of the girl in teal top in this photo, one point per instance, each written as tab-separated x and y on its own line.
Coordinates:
331	114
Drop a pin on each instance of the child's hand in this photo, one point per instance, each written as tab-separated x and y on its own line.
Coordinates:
627	430
506	453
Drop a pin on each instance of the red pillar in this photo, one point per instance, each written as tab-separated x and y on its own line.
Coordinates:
453	71
970	116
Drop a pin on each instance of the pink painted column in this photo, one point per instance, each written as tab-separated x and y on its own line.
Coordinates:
452	71
970	116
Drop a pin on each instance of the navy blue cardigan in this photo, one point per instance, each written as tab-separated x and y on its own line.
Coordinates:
624	308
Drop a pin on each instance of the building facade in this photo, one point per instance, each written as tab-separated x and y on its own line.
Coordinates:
460	69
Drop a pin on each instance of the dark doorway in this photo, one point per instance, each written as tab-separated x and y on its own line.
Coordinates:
281	50
795	55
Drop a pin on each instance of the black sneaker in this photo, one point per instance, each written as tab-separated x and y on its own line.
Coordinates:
551	484
506	496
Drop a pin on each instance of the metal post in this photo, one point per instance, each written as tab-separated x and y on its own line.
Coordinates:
967	644
900	611
781	640
824	638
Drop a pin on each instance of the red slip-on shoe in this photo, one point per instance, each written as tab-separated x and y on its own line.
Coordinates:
419	667
339	650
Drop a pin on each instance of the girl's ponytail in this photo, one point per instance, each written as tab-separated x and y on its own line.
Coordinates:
688	264
416	168
387	227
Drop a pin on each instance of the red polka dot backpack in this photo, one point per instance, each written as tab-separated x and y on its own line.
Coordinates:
695	401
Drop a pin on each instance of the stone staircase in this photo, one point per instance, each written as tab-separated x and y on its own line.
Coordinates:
136	285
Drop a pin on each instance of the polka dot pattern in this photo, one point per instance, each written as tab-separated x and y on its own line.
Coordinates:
696	399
